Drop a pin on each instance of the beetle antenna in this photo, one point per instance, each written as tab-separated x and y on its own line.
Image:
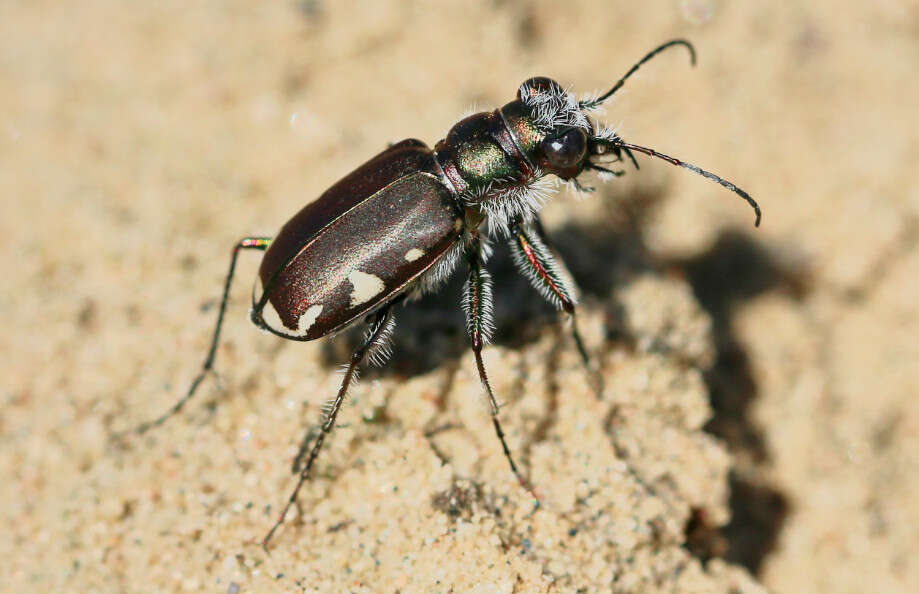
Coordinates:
625	146
592	103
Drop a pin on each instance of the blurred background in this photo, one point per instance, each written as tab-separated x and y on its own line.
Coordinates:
138	141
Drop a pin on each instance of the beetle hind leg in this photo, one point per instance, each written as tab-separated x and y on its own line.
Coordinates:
246	243
539	265
374	347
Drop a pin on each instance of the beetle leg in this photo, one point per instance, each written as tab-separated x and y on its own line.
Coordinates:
601	169
376	338
378	352
479	306
246	243
538	264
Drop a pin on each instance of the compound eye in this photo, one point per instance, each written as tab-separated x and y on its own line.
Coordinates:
567	150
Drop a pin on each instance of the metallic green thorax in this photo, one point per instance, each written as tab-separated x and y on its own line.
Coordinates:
473	154
488	151
520	123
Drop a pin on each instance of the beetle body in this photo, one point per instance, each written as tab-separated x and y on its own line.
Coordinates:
371	237
398	225
360	245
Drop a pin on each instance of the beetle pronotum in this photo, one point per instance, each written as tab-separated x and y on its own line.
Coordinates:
398	225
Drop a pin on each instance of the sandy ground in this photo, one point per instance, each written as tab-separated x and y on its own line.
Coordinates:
758	427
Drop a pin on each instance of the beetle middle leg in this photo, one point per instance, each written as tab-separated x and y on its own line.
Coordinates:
374	347
536	261
479	305
246	243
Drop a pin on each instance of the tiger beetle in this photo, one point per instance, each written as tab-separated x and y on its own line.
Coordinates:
397	226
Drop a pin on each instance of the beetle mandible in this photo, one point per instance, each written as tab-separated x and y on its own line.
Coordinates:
398	225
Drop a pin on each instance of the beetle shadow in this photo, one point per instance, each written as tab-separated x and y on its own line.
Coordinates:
733	271
604	257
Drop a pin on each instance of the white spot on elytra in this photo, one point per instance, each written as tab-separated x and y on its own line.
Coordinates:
272	319
366	286
413	254
308	318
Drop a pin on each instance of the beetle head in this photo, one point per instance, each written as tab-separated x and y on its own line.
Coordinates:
560	138
561	145
569	141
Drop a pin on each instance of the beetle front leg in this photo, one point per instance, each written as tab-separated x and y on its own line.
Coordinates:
537	263
478	303
375	347
247	243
